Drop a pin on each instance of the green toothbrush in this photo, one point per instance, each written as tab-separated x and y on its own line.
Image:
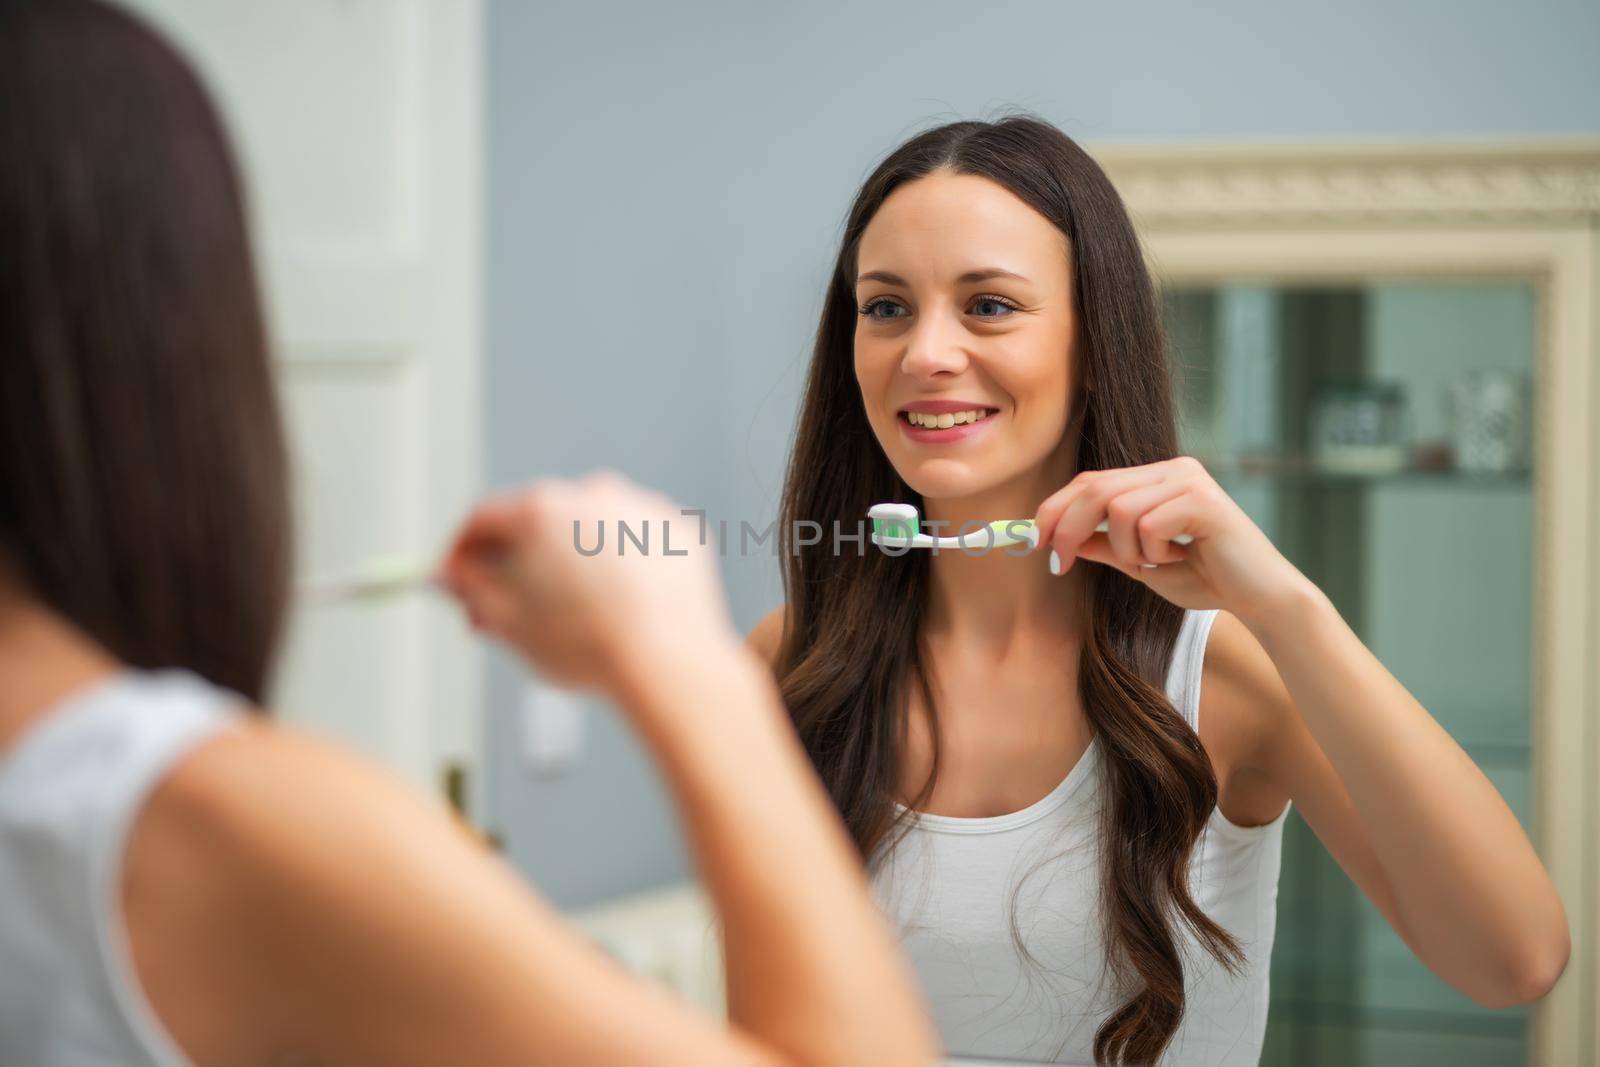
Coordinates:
899	526
376	578
384	576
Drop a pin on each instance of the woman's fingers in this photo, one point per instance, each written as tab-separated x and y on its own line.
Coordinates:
1153	517
1068	519
1056	505
1097	549
1124	520
484	593
523	578
1156	527
1165	521
505	524
490	526
474	567
1120	497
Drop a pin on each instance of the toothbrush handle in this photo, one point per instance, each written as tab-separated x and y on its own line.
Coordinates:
1181	539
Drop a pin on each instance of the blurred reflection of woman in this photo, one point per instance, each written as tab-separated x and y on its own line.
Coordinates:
183	881
1072	787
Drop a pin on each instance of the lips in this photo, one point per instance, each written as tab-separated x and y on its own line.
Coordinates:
931	429
944	407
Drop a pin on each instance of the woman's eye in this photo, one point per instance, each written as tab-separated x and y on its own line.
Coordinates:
1004	307
870	309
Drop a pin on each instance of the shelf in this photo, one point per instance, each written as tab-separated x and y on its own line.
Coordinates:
1298	469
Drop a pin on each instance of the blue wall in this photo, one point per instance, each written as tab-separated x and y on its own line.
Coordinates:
667	182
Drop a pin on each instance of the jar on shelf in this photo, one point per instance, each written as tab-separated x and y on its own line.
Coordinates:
1359	427
1489	420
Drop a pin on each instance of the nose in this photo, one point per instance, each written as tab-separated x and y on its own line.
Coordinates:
934	347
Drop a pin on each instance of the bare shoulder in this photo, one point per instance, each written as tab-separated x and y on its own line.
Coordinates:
252	855
200	832
283	891
264	808
767	634
250	794
1244	704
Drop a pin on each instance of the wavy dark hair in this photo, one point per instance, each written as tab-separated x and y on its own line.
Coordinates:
851	644
143	469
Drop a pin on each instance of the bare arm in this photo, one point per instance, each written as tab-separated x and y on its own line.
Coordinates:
1394	798
825	984
280	887
285	898
1380	780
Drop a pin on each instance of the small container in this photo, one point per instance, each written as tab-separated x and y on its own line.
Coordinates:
1359	428
1490	417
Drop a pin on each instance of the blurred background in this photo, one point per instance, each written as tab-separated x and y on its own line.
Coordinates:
505	239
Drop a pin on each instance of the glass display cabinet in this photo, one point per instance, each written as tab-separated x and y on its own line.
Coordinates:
1388	358
1378	434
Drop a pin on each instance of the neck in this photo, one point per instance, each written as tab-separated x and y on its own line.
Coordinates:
996	600
43	659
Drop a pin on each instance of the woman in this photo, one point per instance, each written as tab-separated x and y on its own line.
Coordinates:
185	882
1071	798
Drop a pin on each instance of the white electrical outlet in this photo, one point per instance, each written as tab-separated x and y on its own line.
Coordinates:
553	727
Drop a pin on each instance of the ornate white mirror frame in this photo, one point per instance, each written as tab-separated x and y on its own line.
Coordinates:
1528	210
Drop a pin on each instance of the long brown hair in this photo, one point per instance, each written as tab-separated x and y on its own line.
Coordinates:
851	641
142	465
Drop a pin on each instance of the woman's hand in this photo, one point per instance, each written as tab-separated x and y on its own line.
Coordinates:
1229	564
581	620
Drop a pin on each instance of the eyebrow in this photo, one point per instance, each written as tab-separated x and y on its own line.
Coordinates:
981	275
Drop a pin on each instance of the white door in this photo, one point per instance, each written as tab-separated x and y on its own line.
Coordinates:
356	126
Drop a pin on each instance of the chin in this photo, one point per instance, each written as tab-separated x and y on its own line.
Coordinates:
949	479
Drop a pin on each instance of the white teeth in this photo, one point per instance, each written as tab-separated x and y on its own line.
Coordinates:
945	421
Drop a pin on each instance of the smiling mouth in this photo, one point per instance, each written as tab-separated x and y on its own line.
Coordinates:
924	420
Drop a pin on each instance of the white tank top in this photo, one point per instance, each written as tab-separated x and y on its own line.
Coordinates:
70	787
953	886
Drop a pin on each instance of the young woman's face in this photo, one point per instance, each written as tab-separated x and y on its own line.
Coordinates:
966	299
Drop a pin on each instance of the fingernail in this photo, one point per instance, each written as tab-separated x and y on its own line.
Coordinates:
1055	562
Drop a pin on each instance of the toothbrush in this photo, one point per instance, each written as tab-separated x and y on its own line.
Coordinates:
898	526
382	576
378	577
